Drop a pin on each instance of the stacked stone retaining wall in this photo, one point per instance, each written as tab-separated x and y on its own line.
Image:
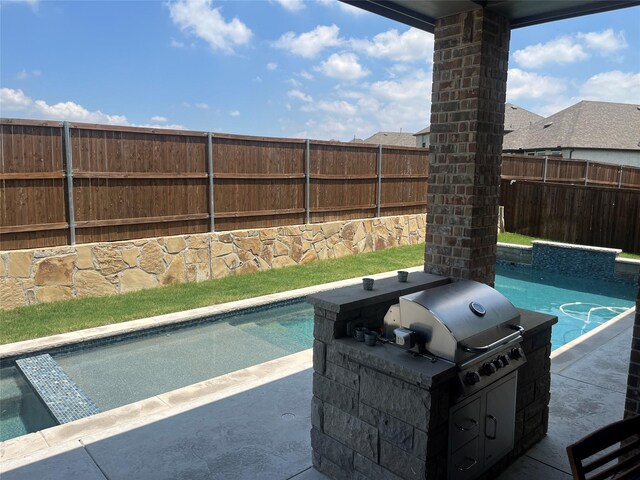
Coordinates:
49	274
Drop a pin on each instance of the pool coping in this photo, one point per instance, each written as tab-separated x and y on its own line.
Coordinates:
43	344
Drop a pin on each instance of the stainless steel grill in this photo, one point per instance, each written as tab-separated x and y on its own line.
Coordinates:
478	329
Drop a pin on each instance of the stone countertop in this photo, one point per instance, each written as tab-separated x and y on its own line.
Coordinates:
353	297
533	322
397	362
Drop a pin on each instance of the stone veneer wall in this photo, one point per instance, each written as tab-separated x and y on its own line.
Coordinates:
49	274
378	413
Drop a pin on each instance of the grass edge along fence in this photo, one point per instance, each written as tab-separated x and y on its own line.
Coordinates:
66	183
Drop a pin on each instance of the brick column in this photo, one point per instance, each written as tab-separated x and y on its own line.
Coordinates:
467	123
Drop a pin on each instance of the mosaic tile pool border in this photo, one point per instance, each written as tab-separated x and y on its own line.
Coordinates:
123	337
62	396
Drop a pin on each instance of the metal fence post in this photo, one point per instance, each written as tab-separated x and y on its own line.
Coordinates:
544	173
379	193
68	165
586	173
210	175
307	193
620	177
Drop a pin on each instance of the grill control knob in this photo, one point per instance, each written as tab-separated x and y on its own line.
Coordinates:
471	378
516	353
488	369
505	360
498	363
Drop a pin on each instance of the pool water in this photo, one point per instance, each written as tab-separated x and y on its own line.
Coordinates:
125	372
581	304
21	411
120	373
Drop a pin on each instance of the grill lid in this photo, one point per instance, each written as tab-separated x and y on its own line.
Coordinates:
457	318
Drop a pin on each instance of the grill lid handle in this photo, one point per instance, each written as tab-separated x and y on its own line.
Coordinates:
495	344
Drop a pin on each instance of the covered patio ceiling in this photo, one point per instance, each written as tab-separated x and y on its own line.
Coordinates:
423	14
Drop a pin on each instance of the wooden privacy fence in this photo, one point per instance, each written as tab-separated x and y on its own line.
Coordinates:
603	217
563	170
67	183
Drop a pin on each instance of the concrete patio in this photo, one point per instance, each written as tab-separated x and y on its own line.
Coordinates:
255	423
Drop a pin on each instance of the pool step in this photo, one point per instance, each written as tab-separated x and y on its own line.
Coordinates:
62	397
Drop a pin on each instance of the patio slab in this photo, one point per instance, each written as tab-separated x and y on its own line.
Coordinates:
262	431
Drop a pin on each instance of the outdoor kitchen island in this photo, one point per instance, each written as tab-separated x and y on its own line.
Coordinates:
383	412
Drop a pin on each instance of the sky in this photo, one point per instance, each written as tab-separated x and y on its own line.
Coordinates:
283	68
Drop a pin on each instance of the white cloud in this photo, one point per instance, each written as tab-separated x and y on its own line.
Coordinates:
171	126
359	110
24	74
198	17
604	42
337	107
415	86
343	66
159	118
202	106
614	86
560	50
409	46
12	100
15	100
177	44
291	5
521	84
306	75
309	44
345	7
31	3
300	95
272	66
234	113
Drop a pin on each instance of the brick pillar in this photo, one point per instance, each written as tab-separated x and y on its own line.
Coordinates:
467	123
632	405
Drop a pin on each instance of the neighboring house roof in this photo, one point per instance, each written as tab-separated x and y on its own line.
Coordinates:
516	117
396	139
587	124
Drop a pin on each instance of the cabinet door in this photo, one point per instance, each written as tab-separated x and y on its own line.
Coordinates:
499	420
466	462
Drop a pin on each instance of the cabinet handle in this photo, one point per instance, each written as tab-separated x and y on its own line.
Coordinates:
466	429
495	428
472	461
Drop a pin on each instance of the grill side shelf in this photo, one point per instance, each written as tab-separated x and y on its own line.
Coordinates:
62	396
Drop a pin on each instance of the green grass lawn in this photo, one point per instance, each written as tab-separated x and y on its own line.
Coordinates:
66	316
526	240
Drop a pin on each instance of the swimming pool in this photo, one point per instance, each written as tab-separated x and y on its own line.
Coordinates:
581	304
120	373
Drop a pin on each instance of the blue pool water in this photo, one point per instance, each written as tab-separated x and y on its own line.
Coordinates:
581	304
120	373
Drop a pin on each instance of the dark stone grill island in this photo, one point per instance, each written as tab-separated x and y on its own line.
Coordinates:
382	412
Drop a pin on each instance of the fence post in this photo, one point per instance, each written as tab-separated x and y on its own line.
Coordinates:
68	165
379	189
620	177
544	173
307	193
586	173
210	175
